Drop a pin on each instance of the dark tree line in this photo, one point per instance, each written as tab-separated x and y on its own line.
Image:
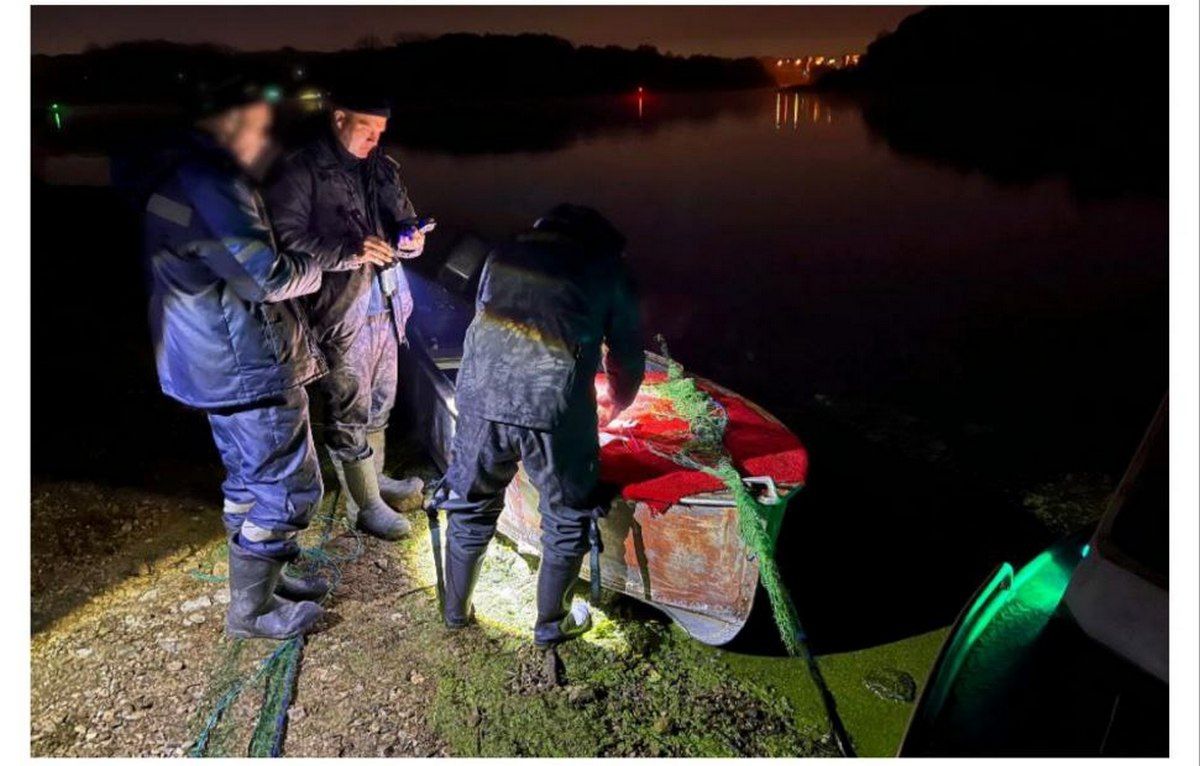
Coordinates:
1023	93
445	67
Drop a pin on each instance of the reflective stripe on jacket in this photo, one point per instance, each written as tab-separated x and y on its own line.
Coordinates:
225	329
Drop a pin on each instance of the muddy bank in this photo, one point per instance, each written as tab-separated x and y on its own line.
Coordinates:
129	658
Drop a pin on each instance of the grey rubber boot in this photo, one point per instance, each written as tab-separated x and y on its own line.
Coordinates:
304	587
462	572
351	506
254	609
401	494
374	516
557	620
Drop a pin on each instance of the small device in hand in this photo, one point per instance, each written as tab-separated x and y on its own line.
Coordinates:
388	281
408	228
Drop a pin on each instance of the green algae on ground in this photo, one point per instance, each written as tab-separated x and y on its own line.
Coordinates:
637	686
677	700
876	725
632	686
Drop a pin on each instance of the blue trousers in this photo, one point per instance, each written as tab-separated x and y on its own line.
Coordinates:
271	472
360	389
562	464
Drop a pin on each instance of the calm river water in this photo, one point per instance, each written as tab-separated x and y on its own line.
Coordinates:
786	251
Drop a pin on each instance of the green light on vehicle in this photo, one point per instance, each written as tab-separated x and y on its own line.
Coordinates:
1085	550
56	115
272	94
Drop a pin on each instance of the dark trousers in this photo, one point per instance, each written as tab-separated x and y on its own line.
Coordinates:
563	466
360	390
271	469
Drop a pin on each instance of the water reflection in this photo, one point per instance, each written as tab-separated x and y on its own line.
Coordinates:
791	108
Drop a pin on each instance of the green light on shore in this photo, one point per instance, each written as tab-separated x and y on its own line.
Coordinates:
272	94
1085	550
56	115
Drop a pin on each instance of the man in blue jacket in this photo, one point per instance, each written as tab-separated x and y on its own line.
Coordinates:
340	194
552	307
229	341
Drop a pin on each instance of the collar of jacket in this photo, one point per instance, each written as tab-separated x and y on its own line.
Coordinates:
202	144
330	155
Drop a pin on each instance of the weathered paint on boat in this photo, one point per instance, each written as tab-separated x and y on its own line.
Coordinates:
689	561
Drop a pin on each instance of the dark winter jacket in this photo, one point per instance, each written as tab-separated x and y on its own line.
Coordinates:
318	210
225	329
545	305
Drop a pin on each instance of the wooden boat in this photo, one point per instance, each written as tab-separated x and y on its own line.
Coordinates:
689	561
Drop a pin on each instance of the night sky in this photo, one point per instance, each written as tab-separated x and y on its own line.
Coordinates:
726	31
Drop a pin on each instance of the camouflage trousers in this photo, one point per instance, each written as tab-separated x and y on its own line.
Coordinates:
360	390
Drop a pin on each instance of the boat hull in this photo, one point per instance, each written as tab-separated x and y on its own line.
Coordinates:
689	561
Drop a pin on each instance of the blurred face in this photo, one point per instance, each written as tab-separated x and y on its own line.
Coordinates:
245	132
358	133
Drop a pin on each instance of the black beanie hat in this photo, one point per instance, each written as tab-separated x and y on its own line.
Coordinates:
584	225
215	97
363	101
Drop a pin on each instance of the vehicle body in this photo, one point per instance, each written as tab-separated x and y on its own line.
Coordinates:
1068	655
689	561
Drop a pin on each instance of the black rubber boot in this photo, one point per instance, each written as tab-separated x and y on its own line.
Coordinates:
556	620
401	494
374	516
462	572
254	609
312	587
301	587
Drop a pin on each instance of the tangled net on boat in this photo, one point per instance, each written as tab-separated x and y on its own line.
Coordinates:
702	449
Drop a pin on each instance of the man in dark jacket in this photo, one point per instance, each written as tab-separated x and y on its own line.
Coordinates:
229	340
337	196
525	392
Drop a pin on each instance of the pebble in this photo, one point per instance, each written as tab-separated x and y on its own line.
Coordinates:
195	618
175	665
222	596
200	602
148	595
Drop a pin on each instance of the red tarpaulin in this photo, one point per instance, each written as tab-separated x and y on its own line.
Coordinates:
757	446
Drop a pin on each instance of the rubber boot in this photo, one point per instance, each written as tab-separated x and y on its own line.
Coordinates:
374	516
401	494
557	620
254	609
303	587
462	572
351	506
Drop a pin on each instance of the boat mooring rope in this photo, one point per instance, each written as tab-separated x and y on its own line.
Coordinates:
280	669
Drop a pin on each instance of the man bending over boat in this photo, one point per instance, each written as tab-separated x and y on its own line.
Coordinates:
525	392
